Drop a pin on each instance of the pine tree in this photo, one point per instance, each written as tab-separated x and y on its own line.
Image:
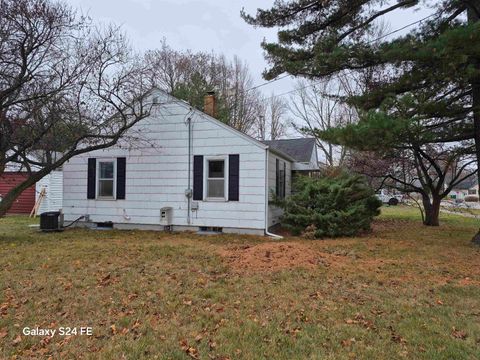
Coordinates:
331	206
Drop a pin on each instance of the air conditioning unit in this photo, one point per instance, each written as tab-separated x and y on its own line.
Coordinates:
51	221
166	216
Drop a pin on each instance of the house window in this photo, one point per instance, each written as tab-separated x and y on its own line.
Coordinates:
472	192
216	179
106	179
280	183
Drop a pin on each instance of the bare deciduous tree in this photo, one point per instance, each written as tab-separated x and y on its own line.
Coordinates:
429	171
66	88
272	118
189	76
318	106
261	125
242	102
277	112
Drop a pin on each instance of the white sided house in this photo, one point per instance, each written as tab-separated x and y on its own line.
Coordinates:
189	171
464	189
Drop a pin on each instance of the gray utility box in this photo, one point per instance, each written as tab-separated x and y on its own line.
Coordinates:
166	216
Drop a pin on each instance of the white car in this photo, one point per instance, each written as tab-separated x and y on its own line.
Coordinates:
389	198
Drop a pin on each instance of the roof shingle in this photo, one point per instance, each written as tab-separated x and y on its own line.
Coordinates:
299	149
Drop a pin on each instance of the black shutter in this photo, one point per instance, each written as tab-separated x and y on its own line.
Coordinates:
277	178
92	172
121	177
198	177
284	178
233	177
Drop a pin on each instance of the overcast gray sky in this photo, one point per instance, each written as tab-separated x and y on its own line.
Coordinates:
199	25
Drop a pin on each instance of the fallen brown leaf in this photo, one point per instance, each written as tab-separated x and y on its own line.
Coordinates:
458	334
17	340
136	325
348	342
189	350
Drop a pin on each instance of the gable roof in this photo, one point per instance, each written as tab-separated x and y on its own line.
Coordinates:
300	149
199	112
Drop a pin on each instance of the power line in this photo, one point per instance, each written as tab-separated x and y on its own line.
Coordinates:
368	42
402	28
268	82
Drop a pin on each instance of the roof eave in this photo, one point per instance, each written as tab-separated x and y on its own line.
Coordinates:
280	153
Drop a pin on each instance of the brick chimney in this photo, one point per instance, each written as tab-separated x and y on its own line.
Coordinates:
210	104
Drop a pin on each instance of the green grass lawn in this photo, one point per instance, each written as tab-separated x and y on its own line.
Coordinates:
402	291
469	211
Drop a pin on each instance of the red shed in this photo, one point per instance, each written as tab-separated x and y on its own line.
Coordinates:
25	202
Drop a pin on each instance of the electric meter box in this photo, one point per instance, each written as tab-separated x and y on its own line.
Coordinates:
166	216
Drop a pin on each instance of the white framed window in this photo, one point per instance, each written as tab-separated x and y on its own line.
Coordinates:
281	182
215	178
106	179
472	192
281	168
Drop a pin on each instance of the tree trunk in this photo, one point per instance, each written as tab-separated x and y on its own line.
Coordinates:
432	210
476	238
473	17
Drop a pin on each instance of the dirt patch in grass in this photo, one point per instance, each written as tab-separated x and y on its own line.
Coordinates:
467	281
273	256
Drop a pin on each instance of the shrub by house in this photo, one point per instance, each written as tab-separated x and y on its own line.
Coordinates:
330	206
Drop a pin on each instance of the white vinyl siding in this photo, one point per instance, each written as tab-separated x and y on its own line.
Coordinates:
53	184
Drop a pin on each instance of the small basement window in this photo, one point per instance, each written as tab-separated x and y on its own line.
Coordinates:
216	179
211	229
105	225
106	179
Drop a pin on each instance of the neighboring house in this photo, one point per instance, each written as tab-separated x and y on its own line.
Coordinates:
302	150
204	174
465	188
25	202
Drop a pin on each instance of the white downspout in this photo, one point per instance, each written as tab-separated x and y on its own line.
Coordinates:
189	188
267	191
